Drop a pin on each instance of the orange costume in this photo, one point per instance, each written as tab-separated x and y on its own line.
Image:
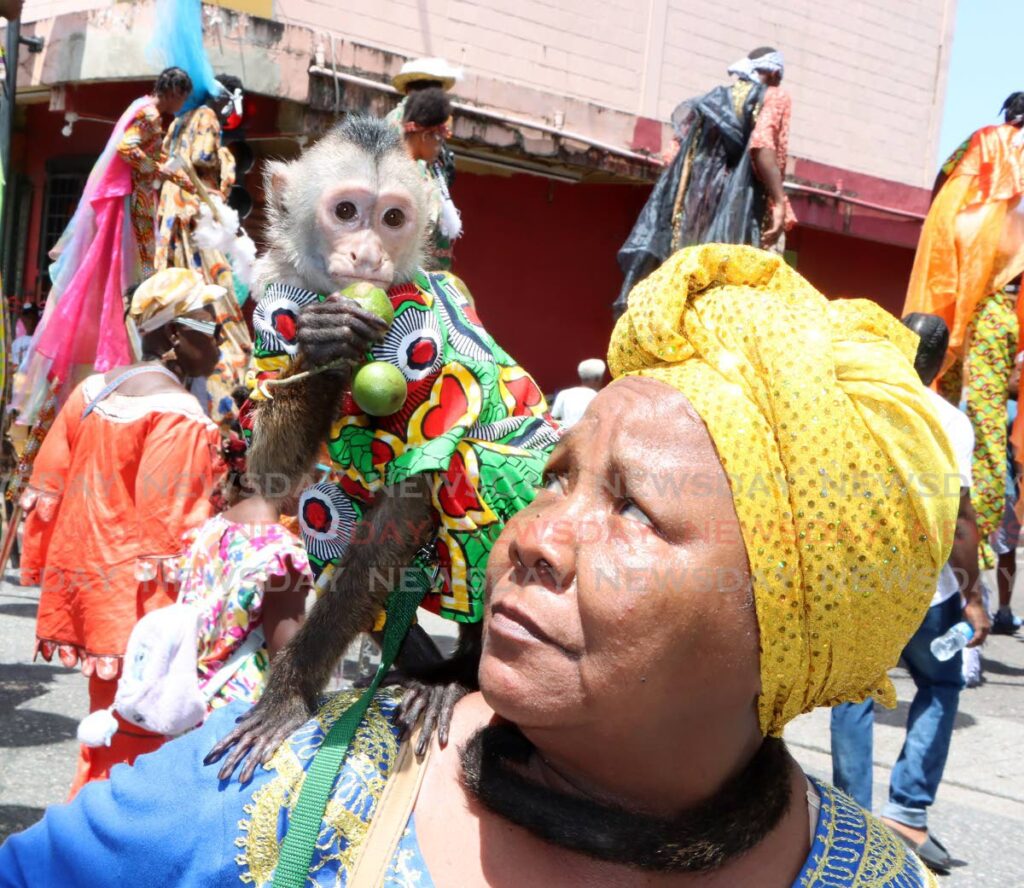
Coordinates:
972	242
971	246
110	496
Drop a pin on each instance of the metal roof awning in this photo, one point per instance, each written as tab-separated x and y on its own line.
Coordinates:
526	146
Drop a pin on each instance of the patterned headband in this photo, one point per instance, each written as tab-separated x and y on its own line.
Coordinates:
442	129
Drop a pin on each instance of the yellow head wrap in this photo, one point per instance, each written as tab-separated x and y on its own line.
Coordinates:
169	294
836	461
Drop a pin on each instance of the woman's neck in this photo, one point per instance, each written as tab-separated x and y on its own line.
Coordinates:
772	862
169	364
624	763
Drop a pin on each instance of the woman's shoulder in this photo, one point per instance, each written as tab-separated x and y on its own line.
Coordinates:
354	795
854	849
258	552
147	113
169	408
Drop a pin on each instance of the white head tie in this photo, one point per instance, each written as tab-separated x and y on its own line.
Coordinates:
747	67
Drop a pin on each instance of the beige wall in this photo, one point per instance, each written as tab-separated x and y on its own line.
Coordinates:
867	76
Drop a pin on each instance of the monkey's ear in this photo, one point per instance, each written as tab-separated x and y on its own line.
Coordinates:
276	175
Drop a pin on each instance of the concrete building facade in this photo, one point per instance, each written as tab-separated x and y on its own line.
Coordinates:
560	121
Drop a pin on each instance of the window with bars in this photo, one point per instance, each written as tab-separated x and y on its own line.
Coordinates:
65	182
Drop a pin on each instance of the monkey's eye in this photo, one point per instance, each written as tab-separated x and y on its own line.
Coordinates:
394	218
345	210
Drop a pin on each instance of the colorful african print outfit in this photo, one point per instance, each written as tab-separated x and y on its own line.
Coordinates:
119	833
140	149
988	362
971	246
195	136
226	571
473	418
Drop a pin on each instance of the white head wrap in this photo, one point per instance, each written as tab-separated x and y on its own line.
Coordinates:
169	294
592	368
746	68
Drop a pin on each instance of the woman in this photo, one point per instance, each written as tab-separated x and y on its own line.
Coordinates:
194	138
725	161
735	533
425	123
971	247
127	468
107	247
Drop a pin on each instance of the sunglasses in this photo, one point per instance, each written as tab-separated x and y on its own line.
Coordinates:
207	328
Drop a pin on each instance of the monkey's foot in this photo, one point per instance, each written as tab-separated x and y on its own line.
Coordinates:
258	735
435	703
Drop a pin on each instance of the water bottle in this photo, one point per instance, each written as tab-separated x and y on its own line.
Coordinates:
946	646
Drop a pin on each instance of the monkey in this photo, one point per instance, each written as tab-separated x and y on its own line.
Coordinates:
434	482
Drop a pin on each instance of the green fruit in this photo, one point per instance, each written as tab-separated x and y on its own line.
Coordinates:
372	299
379	388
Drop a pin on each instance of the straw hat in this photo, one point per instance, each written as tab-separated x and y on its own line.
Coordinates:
426	69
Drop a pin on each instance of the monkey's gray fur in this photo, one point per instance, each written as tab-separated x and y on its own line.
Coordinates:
360	160
361	146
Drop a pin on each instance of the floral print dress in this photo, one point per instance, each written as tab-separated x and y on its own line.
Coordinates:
226	571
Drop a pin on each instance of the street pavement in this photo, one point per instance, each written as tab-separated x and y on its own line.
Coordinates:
979	814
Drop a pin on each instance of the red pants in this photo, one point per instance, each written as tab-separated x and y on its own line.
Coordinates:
130	741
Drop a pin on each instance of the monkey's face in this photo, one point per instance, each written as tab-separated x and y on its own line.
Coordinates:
341	214
368	227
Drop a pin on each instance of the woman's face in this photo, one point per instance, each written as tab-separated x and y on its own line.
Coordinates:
171	102
197	352
622	594
425	146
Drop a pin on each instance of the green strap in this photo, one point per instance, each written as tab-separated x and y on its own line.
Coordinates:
304	824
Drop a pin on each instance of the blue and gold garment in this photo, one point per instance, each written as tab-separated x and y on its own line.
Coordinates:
167	820
852	849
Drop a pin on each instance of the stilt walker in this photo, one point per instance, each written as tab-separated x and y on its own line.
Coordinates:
971	246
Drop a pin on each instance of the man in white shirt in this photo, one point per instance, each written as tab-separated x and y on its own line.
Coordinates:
571	403
918	771
19	348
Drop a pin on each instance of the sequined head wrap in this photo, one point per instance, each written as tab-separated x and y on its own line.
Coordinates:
836	461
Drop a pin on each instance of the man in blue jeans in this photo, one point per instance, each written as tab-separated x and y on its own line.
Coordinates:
918	771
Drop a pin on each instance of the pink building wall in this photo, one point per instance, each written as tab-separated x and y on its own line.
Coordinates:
867	76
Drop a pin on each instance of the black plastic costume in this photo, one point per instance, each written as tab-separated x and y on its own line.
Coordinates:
709	193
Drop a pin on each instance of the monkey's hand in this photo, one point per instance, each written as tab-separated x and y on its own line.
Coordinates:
433	689
435	702
337	329
259	733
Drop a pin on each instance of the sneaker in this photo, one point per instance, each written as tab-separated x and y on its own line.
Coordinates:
1005	623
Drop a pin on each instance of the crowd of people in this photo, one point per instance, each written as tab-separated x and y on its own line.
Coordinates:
628	657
